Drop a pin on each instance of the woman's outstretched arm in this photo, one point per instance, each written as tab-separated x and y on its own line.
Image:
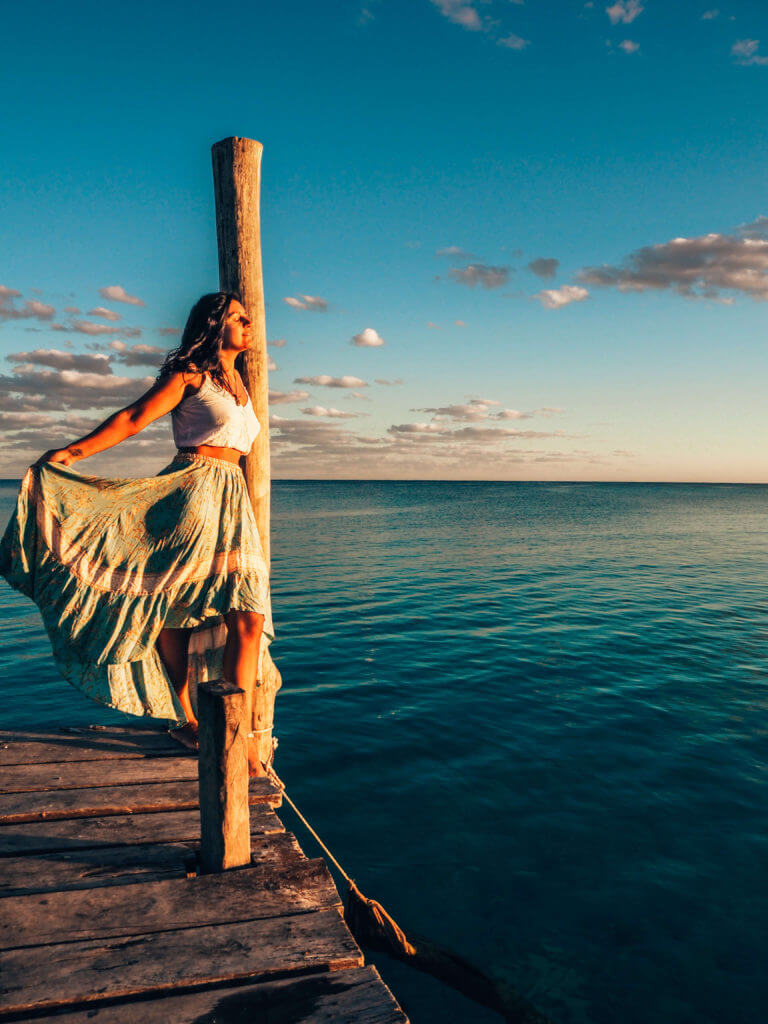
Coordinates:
159	400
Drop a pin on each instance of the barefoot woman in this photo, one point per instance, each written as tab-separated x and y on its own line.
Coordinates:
126	571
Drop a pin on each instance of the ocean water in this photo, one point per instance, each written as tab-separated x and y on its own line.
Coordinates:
528	718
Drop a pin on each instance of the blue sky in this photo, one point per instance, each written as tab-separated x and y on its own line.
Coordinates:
419	156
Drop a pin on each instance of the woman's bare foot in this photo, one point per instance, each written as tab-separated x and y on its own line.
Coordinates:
186	736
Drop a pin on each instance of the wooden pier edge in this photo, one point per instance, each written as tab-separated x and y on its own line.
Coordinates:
109	919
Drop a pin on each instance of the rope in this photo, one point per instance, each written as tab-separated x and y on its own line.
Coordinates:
275	778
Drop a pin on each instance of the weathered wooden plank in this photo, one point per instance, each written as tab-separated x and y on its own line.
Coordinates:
145	798
118	830
123	865
93	971
355	995
35	746
242	894
125	771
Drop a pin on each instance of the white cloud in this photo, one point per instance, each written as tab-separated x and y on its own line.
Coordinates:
277	343
311	302
459	323
168	332
335	414
514	42
271	364
367	338
323	380
556	298
695	268
480	273
389	383
628	46
285	397
744	51
104	313
116	293
710	15
624	11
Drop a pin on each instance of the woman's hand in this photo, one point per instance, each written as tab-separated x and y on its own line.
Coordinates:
62	455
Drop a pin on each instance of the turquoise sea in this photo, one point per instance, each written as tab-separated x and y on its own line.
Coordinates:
528	718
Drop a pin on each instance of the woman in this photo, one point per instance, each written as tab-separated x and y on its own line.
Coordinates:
148	585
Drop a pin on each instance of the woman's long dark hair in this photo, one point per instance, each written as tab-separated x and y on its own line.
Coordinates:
199	350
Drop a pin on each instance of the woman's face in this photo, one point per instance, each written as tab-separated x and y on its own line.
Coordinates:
237	328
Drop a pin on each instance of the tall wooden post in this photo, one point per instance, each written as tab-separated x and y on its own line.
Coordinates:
237	185
225	828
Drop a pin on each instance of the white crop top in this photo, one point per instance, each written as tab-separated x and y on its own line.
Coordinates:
212	416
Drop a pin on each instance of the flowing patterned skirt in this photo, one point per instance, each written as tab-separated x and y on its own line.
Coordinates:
110	562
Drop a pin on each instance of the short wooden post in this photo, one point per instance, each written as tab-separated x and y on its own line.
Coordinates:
225	827
237	188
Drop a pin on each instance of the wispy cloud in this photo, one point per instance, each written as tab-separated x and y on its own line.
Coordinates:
480	273
334	414
513	42
138	355
168	332
480	409
460	12
86	327
277	343
456	251
104	313
61	360
544	266
116	293
701	267
744	52
389	383
367	338
710	15
628	46
286	397
624	11
32	308
27	389
311	302
324	381
556	298
468	434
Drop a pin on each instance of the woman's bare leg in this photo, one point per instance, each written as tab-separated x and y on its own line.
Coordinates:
241	663
172	646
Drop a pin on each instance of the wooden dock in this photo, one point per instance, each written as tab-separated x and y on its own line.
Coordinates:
104	918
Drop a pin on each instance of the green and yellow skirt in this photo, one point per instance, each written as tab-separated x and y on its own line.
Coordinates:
110	562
